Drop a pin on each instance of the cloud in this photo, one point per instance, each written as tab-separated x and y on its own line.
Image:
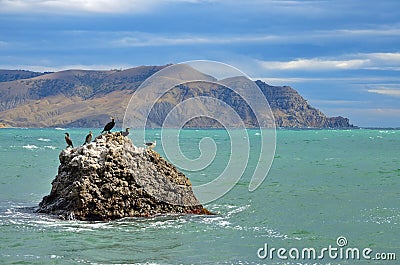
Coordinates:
353	80
309	8
372	61
385	30
140	39
388	92
87	6
147	39
392	90
44	68
337	102
313	64
70	6
3	43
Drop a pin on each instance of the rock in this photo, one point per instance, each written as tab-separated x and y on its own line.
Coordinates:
111	178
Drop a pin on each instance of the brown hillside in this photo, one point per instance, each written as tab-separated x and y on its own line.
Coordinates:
81	98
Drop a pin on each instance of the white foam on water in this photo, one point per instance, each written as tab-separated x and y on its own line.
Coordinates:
30	146
226	221
332	158
44	139
53	256
381	216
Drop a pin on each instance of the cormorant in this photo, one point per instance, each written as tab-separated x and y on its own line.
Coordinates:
109	126
68	140
126	133
151	145
88	138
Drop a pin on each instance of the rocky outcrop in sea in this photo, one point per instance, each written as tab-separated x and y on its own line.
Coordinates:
111	178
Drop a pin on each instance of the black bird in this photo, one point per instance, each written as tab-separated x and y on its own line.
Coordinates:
126	133
109	126
88	138
68	140
151	145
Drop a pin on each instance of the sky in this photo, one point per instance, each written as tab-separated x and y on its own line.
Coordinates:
343	56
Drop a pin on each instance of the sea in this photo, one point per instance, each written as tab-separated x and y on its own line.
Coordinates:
330	197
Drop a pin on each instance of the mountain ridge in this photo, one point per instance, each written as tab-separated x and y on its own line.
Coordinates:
87	98
11	75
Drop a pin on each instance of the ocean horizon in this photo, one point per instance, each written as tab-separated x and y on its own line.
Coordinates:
327	188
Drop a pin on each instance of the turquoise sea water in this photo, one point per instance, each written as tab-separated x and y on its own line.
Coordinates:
323	184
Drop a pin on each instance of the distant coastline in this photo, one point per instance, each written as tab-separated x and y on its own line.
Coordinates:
87	98
213	128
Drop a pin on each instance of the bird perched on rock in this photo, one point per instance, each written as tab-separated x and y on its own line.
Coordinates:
88	138
151	145
126	133
68	140
109	126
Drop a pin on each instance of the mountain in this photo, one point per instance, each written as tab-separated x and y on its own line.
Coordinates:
292	110
11	75
82	98
74	98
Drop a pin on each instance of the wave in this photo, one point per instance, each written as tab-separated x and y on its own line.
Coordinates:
30	146
60	129
34	147
44	139
381	215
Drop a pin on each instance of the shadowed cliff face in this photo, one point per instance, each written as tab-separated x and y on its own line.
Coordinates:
292	110
78	98
111	178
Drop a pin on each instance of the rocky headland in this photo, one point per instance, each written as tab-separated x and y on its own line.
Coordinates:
111	178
